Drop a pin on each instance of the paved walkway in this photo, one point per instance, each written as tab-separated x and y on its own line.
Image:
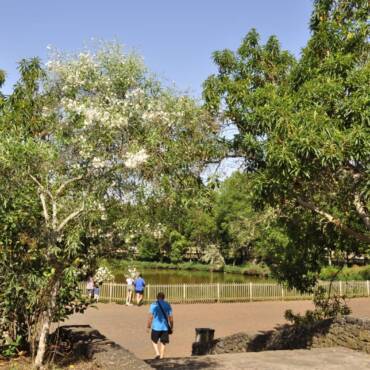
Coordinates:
315	359
126	325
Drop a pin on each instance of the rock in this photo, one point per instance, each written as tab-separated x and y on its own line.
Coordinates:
346	331
88	344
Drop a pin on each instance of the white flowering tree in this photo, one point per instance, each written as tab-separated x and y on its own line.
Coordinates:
99	130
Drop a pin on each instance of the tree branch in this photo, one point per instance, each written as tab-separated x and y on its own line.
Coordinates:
70	217
360	207
42	198
42	187
55	211
353	233
361	210
65	184
44	207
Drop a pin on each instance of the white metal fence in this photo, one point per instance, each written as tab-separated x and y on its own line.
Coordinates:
228	292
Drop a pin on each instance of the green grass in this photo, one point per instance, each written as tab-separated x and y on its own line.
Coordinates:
250	269
246	269
348	273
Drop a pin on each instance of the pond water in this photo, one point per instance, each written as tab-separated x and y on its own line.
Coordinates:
162	277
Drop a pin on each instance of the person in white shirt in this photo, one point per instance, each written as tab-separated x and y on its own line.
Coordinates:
90	287
130	290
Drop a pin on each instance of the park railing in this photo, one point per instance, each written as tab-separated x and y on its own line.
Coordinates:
229	292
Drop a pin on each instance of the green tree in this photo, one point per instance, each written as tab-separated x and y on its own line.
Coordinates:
304	128
241	228
149	249
179	246
94	129
2	80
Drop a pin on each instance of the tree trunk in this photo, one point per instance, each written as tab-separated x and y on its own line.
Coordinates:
45	326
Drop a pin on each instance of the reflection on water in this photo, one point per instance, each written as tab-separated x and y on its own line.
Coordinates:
156	276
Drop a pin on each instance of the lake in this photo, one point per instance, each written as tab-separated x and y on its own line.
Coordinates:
163	277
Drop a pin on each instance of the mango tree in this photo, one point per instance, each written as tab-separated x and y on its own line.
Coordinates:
303	128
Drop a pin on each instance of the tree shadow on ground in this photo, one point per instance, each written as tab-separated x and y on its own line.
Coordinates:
82	344
183	363
71	344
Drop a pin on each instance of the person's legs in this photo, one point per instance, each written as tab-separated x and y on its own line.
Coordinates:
156	349
164	338
129	296
162	348
96	294
139	298
155	338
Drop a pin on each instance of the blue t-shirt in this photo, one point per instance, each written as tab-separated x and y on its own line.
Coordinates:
139	284
159	322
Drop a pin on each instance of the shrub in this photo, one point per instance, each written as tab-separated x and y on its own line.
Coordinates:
326	307
179	245
149	249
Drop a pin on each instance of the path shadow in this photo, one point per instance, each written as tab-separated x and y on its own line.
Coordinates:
183	363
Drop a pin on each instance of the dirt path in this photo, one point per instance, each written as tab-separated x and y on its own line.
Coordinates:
126	325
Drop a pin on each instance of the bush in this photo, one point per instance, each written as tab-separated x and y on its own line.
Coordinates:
326	307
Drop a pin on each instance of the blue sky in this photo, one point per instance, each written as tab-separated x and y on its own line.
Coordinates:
175	37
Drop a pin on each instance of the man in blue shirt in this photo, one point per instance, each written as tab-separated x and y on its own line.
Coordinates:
161	322
139	289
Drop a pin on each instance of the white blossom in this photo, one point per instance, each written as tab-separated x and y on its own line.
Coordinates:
133	160
98	163
103	274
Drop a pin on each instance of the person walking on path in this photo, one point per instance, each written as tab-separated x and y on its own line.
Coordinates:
130	290
139	289
97	290
161	322
90	287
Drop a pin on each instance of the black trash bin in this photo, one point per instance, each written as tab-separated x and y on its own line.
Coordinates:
203	341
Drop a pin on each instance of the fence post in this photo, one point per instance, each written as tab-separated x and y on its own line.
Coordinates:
149	292
368	287
110	292
218	292
282	293
340	288
250	292
184	293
